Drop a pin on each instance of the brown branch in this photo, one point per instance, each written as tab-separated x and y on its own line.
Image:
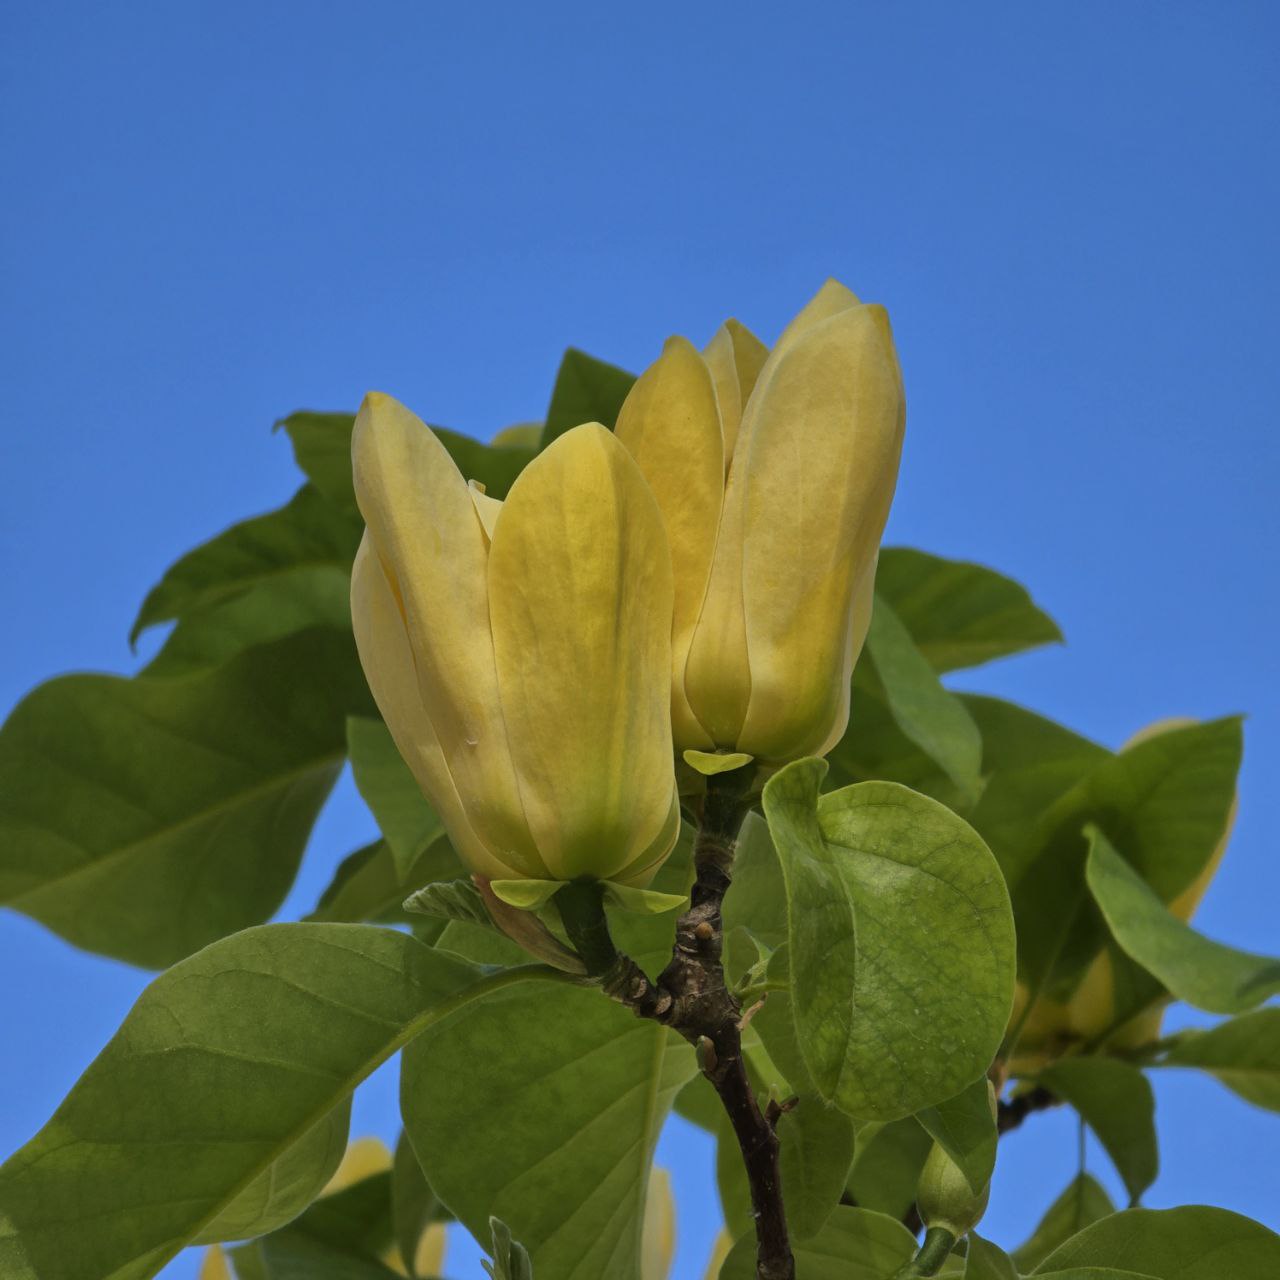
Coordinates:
1011	1114
692	998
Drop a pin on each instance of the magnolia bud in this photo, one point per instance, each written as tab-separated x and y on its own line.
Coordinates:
774	472
520	651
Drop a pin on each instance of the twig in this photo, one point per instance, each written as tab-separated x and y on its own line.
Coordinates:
692	998
1012	1113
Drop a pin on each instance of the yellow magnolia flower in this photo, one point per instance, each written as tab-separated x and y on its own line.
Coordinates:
519	651
1055	1026
774	472
658	1233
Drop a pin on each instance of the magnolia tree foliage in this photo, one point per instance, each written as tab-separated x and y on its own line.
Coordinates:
675	813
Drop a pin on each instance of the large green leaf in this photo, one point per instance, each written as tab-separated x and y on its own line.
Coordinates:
289	1184
208	635
1207	974
322	447
855	1244
965	1128
544	1110
900	942
960	614
1083	1202
145	818
293	1254
1164	801
1243	1053
929	715
816	1154
987	1261
306	534
226	1062
887	1164
408	823
1195	1243
1116	1102
414	1205
586	390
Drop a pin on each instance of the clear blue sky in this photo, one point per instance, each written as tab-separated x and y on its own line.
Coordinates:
215	213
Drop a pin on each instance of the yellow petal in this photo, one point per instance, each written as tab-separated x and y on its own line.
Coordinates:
823	435
830	300
362	1159
384	650
580	594
424	527
487	508
864	596
717	672
670	424
735	357
719	1252
658	1236
429	1259
214	1266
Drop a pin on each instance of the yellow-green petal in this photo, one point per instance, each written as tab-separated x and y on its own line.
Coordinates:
830	300
670	424
384	650
717	672
735	357
580	596
710	763
423	524
824	433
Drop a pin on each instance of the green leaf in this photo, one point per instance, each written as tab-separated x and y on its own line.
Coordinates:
287	1186
510	1259
1195	1243
226	1062
1116	1102
208	635
293	1255
451	900
900	939
322	447
1243	1053
408	823
144	818
815	1157
544	1110
1165	801
855	1244
368	885
987	1261
306	534
1082	1203
887	1164
929	715
1207	974
965	1128
586	390
1098	1273
355	1222
414	1205
960	614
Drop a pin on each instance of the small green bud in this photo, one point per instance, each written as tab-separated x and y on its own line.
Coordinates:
945	1198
